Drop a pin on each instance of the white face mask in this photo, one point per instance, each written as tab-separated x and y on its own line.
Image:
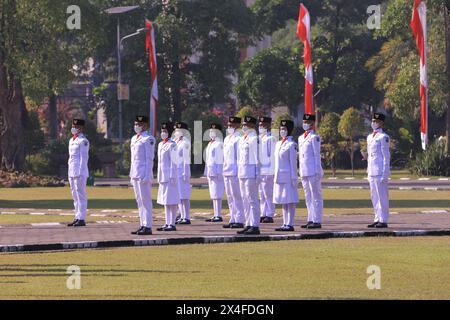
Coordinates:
137	129
283	133
74	131
245	129
262	130
306	126
164	135
375	125
231	130
212	134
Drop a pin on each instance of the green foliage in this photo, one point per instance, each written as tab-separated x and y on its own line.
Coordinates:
270	78
351	124
434	161
245	111
328	132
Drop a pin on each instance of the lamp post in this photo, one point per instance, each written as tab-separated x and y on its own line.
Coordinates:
118	11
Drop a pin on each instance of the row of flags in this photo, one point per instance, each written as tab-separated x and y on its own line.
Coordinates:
419	29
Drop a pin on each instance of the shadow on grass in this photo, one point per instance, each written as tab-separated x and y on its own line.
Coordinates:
207	204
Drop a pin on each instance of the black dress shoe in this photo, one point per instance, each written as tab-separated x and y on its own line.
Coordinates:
170	228
214	219
305	226
252	230
184	221
79	223
161	228
267	220
72	223
237	225
144	231
285	228
136	232
243	230
381	225
227	226
373	225
261	219
314	226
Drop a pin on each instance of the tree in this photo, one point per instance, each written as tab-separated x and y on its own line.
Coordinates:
244	112
270	78
36	59
350	127
330	138
396	66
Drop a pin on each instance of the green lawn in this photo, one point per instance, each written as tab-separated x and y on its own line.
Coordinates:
413	268
336	201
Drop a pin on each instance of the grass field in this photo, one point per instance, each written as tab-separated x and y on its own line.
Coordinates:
413	268
336	201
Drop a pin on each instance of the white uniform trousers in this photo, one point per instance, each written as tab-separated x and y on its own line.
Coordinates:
78	189
217	206
171	214
234	198
288	214
143	194
266	192
312	187
379	193
184	207
249	191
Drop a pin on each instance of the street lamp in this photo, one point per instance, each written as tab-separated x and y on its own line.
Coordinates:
118	11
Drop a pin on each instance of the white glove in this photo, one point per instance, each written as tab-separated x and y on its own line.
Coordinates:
384	179
294	183
173	181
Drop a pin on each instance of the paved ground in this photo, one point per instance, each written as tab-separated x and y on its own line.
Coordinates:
402	184
57	236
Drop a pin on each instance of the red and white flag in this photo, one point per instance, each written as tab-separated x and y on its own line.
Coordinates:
419	29
304	33
151	51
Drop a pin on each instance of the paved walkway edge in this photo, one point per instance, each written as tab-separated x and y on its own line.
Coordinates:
215	239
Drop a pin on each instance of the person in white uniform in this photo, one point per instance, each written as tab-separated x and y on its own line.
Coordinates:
168	195
378	171
285	191
214	170
266	159
141	173
249	176
78	171
230	174
182	139
311	172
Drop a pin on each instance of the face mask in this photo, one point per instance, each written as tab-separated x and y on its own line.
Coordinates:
164	135
74	131
212	134
231	130
245	129
283	133
306	126
262	130
375	125
137	129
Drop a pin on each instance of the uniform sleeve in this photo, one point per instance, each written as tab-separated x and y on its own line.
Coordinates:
293	161
149	156
186	160
173	161
255	151
317	159
84	155
386	153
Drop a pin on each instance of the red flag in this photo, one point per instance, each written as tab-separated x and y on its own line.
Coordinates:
151	51
304	33
419	29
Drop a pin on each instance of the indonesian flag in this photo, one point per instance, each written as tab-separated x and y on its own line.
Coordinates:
419	29
151	51
304	33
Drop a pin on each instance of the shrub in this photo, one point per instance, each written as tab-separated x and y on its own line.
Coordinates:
433	161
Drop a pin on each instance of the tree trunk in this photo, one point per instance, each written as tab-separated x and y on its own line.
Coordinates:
12	113
352	154
52	117
447	55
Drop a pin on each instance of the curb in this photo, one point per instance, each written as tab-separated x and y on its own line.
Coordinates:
216	239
